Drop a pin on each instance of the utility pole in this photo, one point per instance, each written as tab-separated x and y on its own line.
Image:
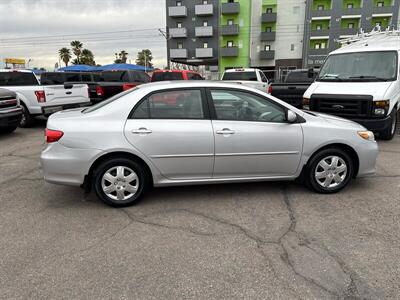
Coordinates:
165	34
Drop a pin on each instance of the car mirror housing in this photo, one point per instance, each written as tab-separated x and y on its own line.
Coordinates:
291	117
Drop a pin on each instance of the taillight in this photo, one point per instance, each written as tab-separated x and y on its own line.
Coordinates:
40	96
127	86
270	89
99	91
53	135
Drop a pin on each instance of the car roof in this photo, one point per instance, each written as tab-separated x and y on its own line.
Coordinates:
15	70
374	43
174	71
240	70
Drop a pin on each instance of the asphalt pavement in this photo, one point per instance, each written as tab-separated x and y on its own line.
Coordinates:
229	241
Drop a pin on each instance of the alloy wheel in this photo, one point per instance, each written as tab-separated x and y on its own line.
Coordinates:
120	183
330	172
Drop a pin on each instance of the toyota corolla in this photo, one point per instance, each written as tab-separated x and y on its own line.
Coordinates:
181	133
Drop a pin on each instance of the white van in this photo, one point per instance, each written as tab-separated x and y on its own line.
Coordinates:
361	81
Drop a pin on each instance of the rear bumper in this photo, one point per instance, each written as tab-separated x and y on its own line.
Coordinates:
375	124
10	117
48	110
67	166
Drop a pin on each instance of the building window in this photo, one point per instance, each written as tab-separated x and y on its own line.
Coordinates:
378	23
350	5
179	25
269	10
291	47
380	4
350	25
180	45
205	23
205	1
230	22
231	1
205	45
178	3
321	45
268	29
267	47
229	44
318	27
321	7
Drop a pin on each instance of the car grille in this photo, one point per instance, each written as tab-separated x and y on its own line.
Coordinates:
7	102
358	106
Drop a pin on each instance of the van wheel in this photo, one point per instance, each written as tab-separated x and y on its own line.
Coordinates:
120	182
329	171
390	131
26	119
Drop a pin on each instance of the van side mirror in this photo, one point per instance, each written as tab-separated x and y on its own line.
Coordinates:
310	73
291	116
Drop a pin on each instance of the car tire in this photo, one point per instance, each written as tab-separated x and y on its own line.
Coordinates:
111	182
26	120
329	171
390	131
8	129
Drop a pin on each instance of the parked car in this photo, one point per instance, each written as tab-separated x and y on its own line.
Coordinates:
37	100
360	81
167	75
294	87
10	111
101	85
253	78
219	133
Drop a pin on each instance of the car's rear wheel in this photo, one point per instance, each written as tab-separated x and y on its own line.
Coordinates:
26	119
329	171
120	182
390	131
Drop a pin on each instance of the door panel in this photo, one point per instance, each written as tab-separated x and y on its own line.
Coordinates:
256	149
180	149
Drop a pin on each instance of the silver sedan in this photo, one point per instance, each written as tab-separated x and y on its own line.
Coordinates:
181	133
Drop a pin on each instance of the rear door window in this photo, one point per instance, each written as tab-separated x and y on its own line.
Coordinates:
176	104
17	79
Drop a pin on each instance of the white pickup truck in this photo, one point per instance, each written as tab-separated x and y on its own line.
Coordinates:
37	100
254	78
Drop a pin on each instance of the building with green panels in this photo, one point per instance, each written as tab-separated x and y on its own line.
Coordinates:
330	20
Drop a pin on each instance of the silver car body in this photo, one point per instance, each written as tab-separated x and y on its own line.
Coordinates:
193	151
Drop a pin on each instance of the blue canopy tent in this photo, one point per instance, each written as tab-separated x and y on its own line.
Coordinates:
79	68
123	67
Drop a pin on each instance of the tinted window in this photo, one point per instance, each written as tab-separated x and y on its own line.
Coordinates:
72	77
86	77
162	76
140	76
242	106
179	104
52	78
194	76
246	76
113	76
17	78
299	76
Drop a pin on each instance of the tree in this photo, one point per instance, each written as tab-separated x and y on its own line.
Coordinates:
65	55
144	58
87	58
77	50
121	58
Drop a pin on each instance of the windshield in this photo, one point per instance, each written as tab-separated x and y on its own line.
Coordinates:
108	101
360	66
246	76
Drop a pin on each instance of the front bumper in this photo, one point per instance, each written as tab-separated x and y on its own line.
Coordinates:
67	166
367	152
48	110
10	117
375	125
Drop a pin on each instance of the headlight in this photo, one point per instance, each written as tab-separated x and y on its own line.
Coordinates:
306	103
367	135
381	107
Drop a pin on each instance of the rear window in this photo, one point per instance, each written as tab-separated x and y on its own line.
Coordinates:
114	76
166	76
52	78
17	78
194	76
245	76
299	77
140	76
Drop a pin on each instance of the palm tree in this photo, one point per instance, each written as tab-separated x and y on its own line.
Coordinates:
65	55
87	57
123	56
77	49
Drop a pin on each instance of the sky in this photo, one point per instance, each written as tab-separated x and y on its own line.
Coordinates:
37	29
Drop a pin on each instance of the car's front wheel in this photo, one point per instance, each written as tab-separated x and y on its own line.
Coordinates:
120	182
329	171
390	131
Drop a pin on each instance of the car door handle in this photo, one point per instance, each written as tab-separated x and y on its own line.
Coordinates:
142	130
68	93
225	131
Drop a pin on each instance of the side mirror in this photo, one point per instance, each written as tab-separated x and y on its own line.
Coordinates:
291	116
310	73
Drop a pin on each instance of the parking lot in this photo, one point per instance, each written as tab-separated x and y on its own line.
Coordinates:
258	240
